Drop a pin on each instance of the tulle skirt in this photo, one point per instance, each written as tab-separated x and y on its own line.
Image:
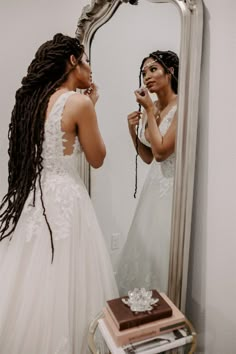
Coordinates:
46	306
144	260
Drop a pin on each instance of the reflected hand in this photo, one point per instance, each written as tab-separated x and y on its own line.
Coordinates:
133	120
92	92
143	98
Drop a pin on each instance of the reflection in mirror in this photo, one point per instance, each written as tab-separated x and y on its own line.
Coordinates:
117	51
145	259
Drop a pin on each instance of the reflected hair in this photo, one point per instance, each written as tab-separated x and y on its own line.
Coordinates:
169	60
45	74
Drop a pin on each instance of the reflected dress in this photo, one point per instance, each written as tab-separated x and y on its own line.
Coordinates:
45	307
144	260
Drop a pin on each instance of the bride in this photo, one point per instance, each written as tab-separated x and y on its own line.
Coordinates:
145	257
55	272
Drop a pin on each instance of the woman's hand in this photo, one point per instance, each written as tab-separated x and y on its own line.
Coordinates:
133	120
143	98
92	93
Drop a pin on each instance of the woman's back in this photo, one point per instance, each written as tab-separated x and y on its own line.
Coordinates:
61	145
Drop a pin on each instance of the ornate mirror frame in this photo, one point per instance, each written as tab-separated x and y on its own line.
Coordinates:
191	11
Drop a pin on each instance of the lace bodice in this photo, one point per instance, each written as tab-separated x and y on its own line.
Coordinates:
59	178
168	165
54	159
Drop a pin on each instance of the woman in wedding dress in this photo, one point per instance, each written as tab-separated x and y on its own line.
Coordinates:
55	271
145	257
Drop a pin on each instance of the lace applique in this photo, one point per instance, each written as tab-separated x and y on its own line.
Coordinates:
165	185
60	181
158	180
168	166
34	217
59	211
53	148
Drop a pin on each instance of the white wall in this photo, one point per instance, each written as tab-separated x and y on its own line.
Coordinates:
212	286
212	277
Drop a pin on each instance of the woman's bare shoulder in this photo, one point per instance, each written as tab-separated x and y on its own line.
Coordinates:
78	100
79	103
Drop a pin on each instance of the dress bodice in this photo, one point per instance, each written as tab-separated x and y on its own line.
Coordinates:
168	165
54	159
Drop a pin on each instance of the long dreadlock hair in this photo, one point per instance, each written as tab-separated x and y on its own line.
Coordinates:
45	74
167	59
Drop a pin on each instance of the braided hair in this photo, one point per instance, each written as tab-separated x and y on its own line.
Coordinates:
45	74
167	59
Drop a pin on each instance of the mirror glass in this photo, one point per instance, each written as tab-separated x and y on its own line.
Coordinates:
117	50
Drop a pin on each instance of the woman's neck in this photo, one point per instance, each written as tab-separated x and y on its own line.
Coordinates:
67	87
70	84
165	98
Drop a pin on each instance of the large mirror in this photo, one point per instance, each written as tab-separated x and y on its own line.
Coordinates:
126	35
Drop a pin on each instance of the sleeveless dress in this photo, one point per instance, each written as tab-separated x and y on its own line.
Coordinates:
144	260
45	306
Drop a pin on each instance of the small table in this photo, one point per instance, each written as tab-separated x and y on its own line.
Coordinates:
185	342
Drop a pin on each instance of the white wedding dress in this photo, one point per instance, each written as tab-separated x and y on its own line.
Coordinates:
46	307
144	260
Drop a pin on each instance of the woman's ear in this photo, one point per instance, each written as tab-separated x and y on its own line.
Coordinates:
171	70
73	60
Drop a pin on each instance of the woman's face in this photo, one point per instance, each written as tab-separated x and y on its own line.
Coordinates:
154	76
84	73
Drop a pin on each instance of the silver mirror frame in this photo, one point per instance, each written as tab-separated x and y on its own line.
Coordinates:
191	11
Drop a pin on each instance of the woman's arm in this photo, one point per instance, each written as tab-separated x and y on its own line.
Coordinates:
144	151
83	114
162	146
